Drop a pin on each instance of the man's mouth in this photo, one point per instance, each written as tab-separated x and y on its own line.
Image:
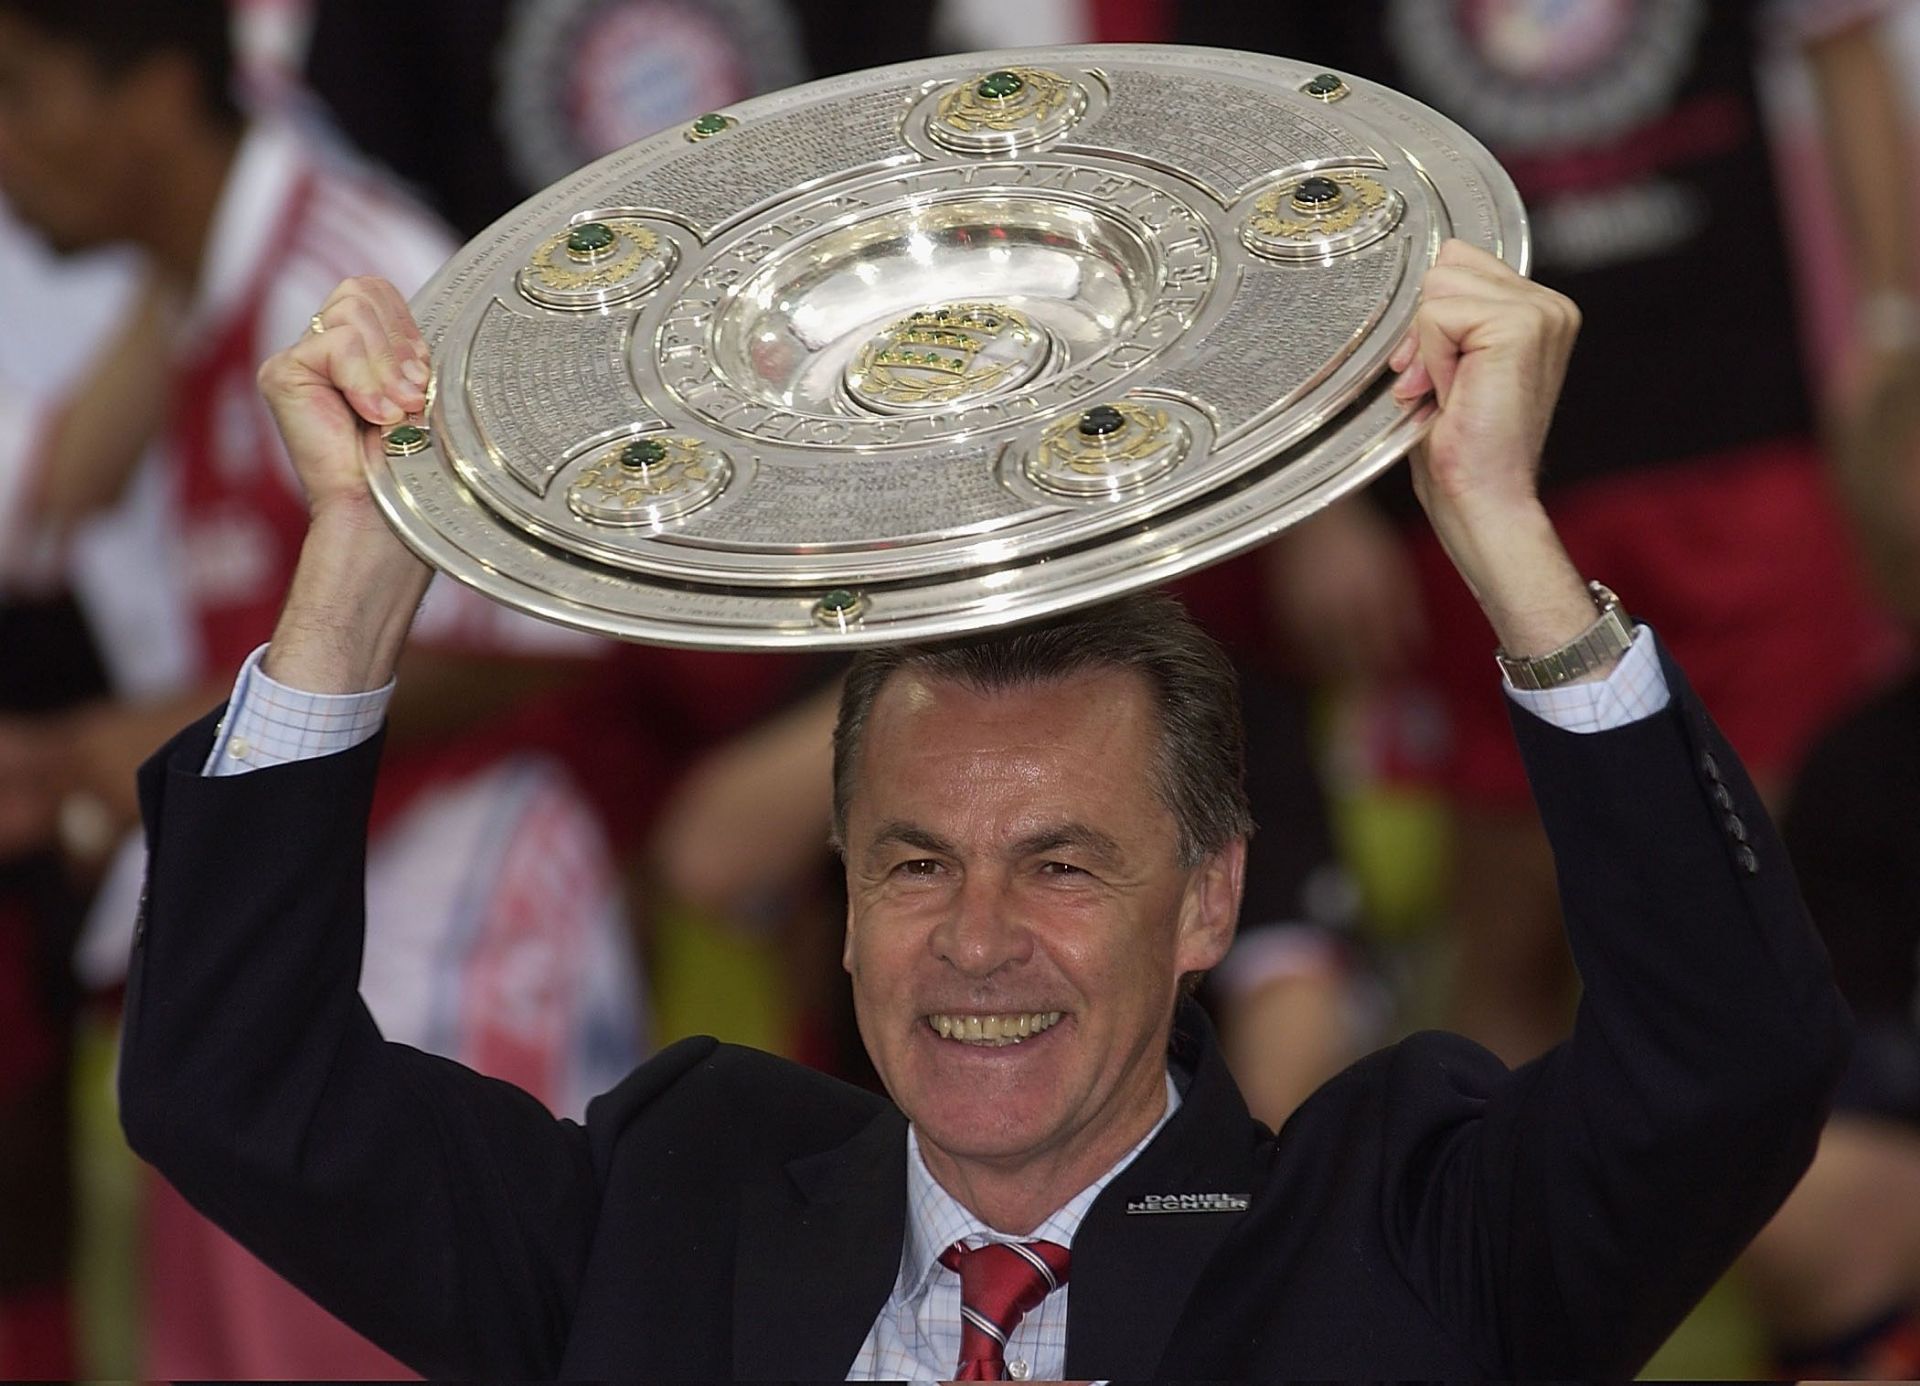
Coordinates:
994	1030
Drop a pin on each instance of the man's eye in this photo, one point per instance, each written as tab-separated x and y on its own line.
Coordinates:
919	866
1061	868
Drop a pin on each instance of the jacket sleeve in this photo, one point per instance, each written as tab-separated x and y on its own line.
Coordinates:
444	1215
1594	1195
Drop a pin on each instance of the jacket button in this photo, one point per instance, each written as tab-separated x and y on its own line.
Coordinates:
1736	829
1711	766
1749	863
1723	797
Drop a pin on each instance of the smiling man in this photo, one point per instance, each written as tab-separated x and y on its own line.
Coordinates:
1026	881
1044	834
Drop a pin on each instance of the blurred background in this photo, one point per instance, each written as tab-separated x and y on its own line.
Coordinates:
585	850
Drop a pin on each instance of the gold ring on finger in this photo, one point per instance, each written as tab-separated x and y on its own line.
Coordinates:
317	326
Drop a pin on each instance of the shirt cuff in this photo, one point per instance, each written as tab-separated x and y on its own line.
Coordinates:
268	723
1636	689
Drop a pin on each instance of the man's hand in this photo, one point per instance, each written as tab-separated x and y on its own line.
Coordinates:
1492	348
357	586
369	363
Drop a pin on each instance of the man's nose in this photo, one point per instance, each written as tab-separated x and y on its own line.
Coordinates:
983	932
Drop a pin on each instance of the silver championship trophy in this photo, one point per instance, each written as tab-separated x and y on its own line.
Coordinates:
935	347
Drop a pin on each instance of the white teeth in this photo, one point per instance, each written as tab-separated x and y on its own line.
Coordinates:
993	1030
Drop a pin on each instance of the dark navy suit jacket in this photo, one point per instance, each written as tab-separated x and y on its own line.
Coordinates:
725	1213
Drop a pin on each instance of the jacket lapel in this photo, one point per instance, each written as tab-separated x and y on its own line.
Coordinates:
819	1251
1132	1271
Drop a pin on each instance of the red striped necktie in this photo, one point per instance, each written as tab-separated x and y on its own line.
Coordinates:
999	1284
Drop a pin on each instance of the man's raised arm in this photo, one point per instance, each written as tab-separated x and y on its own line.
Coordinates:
444	1215
1568	1216
357	586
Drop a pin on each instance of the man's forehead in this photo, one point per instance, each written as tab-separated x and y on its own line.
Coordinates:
1106	714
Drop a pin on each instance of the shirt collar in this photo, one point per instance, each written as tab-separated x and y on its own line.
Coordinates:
936	1219
266	169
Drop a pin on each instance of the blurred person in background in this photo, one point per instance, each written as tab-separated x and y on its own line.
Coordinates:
1837	1272
117	126
482	103
47	661
1635	132
75	619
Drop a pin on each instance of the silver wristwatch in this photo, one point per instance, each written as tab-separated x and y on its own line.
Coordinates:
1598	645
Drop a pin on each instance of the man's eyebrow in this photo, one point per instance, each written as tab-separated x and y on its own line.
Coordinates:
1074	835
912	835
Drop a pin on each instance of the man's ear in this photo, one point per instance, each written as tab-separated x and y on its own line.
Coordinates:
1211	909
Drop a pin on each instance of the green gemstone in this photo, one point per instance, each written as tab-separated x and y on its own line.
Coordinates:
1326	84
406	438
1000	86
838	601
590	238
712	123
1102	420
636	456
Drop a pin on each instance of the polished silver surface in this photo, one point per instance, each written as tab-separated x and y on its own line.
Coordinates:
935	347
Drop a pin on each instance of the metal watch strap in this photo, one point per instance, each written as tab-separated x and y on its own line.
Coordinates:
1609	637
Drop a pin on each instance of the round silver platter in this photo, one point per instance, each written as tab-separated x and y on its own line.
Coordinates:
934	347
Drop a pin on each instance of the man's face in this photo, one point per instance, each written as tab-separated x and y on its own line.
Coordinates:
71	140
1010	867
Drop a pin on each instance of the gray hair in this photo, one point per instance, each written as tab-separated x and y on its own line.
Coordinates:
1200	771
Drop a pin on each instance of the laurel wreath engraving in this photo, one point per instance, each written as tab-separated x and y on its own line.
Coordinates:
1042	94
552	269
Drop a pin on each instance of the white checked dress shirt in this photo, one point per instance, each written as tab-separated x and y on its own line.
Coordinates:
917	1335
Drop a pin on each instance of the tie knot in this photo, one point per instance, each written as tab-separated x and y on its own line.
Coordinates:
999	1283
